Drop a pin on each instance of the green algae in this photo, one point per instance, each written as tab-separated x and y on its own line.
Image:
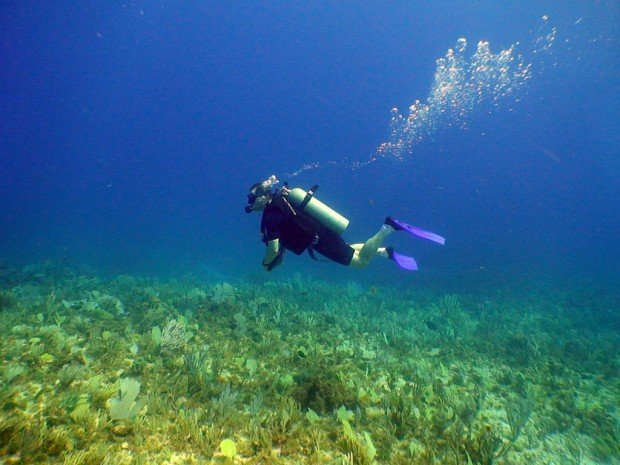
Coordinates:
298	372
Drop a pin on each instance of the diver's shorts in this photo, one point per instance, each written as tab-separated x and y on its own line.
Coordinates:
333	246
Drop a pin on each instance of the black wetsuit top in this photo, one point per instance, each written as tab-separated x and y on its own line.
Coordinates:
298	232
295	230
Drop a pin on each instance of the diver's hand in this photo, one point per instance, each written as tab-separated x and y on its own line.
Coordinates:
275	262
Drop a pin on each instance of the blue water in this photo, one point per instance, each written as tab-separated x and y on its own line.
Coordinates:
131	131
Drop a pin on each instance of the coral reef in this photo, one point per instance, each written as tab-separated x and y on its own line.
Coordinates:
131	370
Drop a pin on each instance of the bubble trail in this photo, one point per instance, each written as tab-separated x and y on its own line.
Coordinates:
461	85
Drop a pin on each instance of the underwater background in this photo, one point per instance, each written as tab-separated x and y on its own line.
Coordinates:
138	325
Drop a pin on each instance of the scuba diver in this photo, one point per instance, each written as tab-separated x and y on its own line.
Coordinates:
294	219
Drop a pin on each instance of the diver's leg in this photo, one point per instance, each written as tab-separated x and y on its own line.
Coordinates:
364	254
381	251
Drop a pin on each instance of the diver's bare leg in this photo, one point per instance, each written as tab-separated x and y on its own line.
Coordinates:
381	251
364	252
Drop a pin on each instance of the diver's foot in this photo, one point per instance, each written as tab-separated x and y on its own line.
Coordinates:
393	223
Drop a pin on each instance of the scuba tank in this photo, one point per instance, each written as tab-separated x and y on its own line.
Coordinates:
306	202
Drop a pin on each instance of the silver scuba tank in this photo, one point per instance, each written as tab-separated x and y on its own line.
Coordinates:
314	208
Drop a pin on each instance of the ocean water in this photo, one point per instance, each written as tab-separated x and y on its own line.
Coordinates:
138	323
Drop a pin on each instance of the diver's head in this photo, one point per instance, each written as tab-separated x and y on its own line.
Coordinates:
260	194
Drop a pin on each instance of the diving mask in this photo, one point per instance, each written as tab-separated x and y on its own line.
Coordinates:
260	194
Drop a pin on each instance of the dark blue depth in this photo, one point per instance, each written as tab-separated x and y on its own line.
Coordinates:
131	132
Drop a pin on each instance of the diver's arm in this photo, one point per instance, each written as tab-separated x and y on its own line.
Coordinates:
272	253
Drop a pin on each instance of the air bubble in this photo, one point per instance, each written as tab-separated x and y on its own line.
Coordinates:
459	86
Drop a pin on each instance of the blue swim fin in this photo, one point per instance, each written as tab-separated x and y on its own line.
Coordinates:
406	263
418	232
